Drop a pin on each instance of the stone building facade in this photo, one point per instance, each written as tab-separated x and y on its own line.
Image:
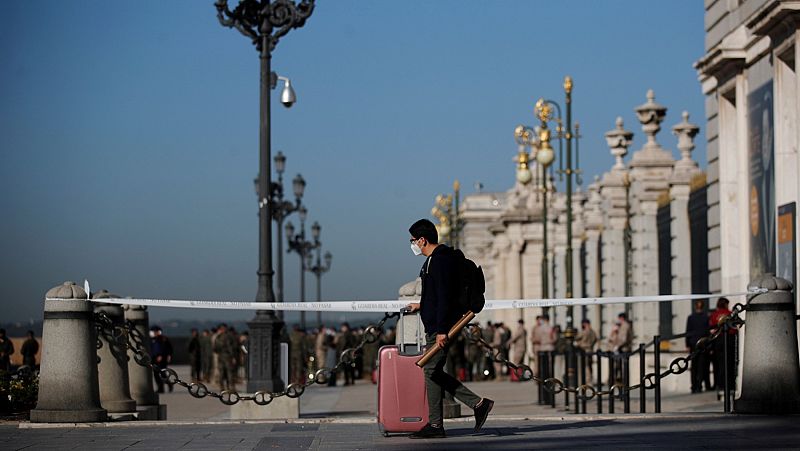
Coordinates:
616	229
749	78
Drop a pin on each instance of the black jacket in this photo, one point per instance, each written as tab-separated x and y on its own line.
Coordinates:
438	303
696	328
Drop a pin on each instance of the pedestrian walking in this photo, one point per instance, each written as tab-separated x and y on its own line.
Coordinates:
439	311
29	349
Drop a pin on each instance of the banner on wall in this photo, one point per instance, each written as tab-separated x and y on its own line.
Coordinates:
787	242
762	181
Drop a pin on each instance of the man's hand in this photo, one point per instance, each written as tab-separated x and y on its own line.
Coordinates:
413	307
441	340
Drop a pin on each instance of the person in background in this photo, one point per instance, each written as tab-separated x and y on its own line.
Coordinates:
586	341
29	349
195	360
720	369
6	349
297	355
345	340
226	350
161	351
697	327
519	341
206	356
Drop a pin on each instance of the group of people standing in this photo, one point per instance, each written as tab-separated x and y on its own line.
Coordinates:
701	324
30	347
218	354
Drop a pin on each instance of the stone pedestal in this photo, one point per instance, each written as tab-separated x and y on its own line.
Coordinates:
770	371
140	378
280	408
112	368
68	388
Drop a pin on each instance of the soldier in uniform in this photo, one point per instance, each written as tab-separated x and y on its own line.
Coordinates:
227	350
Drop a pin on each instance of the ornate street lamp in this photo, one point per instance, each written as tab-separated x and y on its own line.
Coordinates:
264	23
544	111
318	269
280	210
303	248
538	140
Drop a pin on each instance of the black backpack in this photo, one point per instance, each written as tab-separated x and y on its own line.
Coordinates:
471	284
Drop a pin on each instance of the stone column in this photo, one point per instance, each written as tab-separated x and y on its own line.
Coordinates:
614	201
140	377
650	169
68	390
112	367
771	376
681	245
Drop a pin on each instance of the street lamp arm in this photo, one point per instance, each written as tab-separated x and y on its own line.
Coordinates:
263	20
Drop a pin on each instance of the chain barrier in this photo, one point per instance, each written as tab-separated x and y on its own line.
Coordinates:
130	337
133	340
586	392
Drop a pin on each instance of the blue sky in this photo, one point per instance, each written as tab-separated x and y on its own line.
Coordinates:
129	130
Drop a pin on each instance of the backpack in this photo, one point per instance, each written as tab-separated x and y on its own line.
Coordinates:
471	284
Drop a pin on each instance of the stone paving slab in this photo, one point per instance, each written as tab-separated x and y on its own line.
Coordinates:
666	431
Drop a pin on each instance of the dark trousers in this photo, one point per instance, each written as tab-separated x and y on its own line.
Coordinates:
719	362
700	371
437	381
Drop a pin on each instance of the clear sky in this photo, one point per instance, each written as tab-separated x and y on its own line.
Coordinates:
129	130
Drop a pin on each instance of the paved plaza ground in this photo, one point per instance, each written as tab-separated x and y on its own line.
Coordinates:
343	418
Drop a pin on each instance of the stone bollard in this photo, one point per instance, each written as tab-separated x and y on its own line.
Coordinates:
770	370
112	369
68	390
141	377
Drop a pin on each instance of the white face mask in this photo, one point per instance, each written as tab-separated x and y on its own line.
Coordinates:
415	249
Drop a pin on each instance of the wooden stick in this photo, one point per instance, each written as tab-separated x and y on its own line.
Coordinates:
455	330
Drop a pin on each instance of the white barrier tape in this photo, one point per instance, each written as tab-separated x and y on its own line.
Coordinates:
396	305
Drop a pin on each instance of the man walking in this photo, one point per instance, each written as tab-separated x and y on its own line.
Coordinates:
439	313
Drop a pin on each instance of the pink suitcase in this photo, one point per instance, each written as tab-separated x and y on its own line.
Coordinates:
402	398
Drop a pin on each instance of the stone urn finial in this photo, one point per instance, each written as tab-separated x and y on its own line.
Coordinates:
651	114
686	131
619	140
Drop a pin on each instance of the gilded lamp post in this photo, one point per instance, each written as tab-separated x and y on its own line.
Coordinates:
264	22
538	140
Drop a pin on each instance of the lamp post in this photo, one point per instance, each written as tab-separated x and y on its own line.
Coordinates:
264	23
567	134
318	269
280	210
303	248
544	111
542	153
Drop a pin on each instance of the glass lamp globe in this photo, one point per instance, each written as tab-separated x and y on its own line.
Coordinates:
524	176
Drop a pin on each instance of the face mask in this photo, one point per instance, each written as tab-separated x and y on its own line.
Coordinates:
415	249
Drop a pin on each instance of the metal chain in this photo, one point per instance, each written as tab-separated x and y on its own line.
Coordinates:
133	340
617	390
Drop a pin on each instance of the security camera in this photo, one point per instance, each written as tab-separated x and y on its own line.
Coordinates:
288	97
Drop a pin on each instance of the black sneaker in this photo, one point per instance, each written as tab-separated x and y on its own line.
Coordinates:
429	432
482	412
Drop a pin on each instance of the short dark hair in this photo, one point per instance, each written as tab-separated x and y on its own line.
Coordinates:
722	302
424	229
586	321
